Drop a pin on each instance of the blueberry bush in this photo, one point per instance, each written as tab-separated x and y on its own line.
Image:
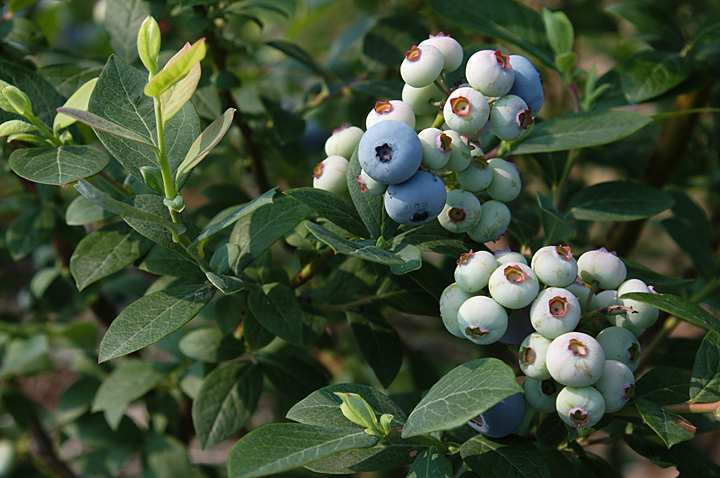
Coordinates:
412	238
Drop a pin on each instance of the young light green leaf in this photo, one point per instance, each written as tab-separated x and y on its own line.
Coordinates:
197	245
128	382
705	384
276	308
153	317
461	395
502	457
42	94
18	100
227	399
278	447
671	428
148	44
181	92
581	130
123	19
79	100
205	143
60	166
354	248
559	30
177	70
102	124
618	201
679	307
106	251
16	127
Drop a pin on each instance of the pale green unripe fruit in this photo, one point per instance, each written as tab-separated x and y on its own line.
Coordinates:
541	395
507	256
482	320
436	148
493	223
643	315
580	407
450	48
368	184
555	266
490	72
621	321
460	153
513	285
582	291
462	211
510	117
422	65
330	175
474	269
390	110
423	101
617	385
450	301
602	266
476	177
554	312
343	141
506	184
532	356
620	344
575	359
466	110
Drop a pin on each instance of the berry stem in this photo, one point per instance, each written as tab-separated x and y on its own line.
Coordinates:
575	97
687	407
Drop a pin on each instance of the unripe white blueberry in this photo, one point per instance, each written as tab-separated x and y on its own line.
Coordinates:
506	256
602	266
554	312
493	223
423	101
466	110
575	359
490	72
620	344
329	175
617	385
462	211
474	269
541	395
621	321
510	117
582	291
450	301
555	266
476	177
580	407
343	141
607	298
451	49
436	147
532	356
506	184
460	151
513	285
368	184
422	65
482	320
390	110
643	315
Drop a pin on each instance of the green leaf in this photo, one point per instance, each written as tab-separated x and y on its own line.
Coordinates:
581	130
664	386
656	23
295	376
276	308
30	229
410	254
227	284
354	248
379	344
128	382
167	457
461	395
294	51
278	447
431	464
333	208
196	247
153	317
255	334
388	455
106	251
122	85
368	206
555	225
679	307
650	73
705	385
210	345
43	96
227	399
205	143
552	431
560	32
164	262
101	124
618	201
671	428
256	232
79	100
435	238
60	166
177	70
26	357
509	457
692	242
636	270
507	20
123	19
175	97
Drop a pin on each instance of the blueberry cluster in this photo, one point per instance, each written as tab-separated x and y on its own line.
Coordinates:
422	152
546	309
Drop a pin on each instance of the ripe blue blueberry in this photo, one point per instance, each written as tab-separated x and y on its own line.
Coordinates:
416	201
502	419
527	83
390	152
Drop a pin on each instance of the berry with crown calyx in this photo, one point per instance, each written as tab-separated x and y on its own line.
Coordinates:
490	72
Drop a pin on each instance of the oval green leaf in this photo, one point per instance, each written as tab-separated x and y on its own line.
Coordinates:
618	201
59	166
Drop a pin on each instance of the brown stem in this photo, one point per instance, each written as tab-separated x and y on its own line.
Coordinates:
311	269
688	407
46	450
575	97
